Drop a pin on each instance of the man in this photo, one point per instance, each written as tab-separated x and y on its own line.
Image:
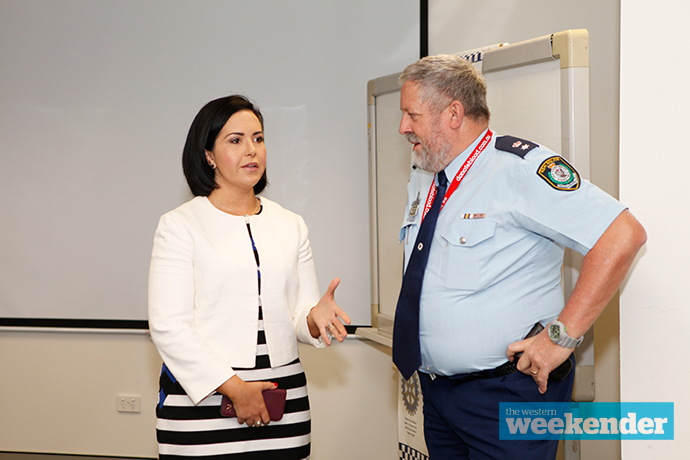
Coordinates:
491	264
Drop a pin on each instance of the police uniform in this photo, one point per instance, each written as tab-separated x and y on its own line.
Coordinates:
494	266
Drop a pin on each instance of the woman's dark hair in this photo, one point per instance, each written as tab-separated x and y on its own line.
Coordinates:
202	136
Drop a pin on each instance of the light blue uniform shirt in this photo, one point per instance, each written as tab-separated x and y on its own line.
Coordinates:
494	265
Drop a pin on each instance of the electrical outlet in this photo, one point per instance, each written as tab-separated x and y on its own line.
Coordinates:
128	403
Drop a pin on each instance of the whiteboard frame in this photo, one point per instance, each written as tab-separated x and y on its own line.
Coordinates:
571	47
382	324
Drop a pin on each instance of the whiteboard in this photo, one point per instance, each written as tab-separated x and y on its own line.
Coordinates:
537	89
96	97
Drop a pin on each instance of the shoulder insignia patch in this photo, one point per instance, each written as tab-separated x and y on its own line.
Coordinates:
519	147
559	174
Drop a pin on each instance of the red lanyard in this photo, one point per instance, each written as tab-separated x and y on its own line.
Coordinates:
458	178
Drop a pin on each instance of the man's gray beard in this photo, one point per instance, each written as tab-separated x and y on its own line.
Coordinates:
430	161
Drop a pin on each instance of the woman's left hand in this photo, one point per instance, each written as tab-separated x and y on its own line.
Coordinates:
325	318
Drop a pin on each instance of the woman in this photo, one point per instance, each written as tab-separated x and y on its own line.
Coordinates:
232	287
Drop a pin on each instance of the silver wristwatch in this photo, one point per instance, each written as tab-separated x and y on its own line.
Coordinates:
559	335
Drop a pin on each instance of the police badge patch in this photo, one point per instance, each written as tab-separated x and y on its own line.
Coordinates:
559	174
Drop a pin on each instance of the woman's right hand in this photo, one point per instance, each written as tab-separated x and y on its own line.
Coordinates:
248	400
326	318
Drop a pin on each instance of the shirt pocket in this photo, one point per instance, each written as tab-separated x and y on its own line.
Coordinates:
469	246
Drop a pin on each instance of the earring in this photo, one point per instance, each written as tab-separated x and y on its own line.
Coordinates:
212	165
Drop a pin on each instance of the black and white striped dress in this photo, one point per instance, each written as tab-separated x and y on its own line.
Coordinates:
187	431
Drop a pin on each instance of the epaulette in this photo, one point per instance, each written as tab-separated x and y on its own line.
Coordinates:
519	147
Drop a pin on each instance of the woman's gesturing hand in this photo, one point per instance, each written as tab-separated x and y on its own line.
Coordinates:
326	318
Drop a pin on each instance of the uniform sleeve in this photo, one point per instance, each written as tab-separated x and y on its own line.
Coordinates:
308	289
196	365
561	206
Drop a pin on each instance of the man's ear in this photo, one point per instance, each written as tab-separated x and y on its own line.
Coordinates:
457	114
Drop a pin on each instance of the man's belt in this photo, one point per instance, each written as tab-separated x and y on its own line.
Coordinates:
507	368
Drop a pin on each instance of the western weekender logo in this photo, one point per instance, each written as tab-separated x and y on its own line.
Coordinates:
586	421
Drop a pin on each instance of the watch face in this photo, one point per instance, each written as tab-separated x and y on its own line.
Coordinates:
554	332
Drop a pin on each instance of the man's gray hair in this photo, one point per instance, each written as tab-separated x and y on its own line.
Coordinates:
445	78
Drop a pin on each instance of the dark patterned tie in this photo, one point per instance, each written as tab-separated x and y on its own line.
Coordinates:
407	354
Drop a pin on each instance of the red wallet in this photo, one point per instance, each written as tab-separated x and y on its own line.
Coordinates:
274	400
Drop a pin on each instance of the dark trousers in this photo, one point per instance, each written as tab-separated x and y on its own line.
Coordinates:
461	420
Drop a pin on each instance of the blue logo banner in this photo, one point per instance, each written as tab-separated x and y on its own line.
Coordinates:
597	420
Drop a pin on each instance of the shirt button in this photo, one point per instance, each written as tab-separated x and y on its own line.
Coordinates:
420	246
463	240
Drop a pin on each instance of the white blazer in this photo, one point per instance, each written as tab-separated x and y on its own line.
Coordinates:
203	297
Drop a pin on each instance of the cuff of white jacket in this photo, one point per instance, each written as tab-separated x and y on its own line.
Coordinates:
198	393
303	334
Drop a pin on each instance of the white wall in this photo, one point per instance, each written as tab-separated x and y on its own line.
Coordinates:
59	393
654	165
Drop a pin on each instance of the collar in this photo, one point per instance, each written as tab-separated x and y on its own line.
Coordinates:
455	165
